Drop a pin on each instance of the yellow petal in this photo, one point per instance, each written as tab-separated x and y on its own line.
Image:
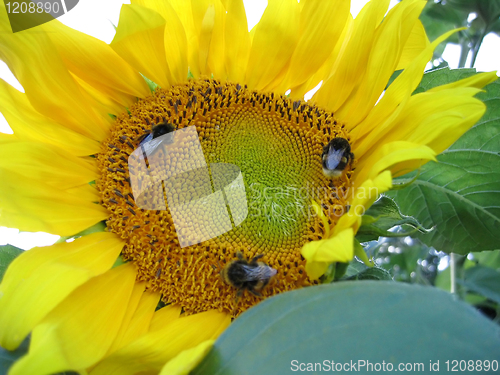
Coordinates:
360	199
396	159
325	71
102	100
187	360
79	331
97	64
416	43
139	40
176	43
86	192
427	114
212	41
351	61
207	27
184	10
47	163
315	269
152	351
175	47
45	276
202	23
319	212
434	119
8	138
30	125
319	254
319	33
275	38
236	41
389	41
446	128
138	317
34	206
399	91
49	86
389	155
163	316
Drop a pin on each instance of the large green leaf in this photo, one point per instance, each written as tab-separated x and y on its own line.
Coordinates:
460	195
346	322
7	254
484	281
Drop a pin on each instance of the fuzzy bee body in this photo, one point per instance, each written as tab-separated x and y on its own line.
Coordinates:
335	157
151	141
248	275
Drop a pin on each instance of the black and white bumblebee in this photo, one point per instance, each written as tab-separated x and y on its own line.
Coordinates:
335	157
248	275
151	141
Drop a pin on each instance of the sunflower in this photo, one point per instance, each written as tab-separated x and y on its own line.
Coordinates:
94	303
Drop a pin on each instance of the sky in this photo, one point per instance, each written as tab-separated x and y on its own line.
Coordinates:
97	17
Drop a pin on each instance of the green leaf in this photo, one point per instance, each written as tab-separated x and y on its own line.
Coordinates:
370	273
439	18
465	5
489	259
484	281
345	322
488	10
443	76
152	85
445	13
383	215
7	254
460	194
355	268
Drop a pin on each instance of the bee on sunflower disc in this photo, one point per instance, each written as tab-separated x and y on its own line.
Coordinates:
152	140
250	275
336	156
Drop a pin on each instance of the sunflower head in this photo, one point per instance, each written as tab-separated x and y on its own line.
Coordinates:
275	145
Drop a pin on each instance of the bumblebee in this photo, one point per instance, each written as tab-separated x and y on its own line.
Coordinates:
250	275
149	140
336	156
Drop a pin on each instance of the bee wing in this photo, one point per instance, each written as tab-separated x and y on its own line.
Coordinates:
149	146
258	273
333	158
145	138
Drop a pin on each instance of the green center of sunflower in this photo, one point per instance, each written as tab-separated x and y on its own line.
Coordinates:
275	143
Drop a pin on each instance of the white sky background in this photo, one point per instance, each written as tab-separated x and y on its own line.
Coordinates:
97	17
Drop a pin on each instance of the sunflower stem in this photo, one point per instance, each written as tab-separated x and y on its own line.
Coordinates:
477	45
464	52
453	273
